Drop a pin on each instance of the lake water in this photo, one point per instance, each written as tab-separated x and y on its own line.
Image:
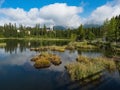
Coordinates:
18	73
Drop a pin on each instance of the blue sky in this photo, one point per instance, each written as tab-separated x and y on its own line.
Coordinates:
89	5
57	12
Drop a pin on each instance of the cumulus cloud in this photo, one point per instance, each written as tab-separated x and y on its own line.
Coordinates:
61	13
104	12
57	14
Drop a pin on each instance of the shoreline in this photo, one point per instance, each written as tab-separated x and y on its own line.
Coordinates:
51	39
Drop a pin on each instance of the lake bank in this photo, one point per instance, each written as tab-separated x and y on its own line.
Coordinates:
50	39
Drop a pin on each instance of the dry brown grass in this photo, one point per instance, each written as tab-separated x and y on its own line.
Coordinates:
44	60
42	63
54	59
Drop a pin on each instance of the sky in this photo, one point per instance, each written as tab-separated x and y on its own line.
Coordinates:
70	13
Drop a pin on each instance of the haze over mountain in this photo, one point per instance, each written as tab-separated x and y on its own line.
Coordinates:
59	28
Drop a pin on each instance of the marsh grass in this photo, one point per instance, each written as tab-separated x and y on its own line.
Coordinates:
79	71
2	44
39	49
54	59
70	46
85	67
45	59
42	63
57	48
52	48
83	45
107	63
83	59
35	58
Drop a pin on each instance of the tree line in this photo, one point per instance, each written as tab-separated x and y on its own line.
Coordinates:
109	31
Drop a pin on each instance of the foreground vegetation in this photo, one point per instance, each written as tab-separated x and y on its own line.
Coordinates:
88	66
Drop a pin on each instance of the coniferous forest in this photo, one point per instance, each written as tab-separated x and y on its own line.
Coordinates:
109	31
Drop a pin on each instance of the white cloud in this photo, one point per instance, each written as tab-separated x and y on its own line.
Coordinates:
108	10
61	13
58	14
14	14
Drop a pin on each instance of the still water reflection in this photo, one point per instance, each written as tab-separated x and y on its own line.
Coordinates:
17	71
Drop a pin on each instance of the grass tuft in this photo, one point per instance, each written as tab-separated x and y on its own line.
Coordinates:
85	67
45	60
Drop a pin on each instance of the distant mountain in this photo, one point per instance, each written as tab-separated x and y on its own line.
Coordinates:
59	28
65	27
91	25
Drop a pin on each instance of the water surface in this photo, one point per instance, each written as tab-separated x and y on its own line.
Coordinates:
18	73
